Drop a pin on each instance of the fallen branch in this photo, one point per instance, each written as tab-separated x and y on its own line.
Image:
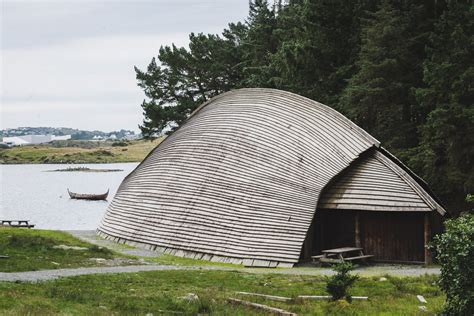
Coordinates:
270	297
274	310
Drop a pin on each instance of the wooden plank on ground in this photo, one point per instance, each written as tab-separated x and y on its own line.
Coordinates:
270	297
274	310
326	297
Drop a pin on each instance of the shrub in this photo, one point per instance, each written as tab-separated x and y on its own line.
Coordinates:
102	152
455	253
339	284
101	250
119	144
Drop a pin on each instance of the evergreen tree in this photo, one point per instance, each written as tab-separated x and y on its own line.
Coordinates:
186	78
379	96
259	44
446	154
319	44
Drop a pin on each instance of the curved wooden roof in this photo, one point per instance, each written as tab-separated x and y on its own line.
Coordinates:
239	181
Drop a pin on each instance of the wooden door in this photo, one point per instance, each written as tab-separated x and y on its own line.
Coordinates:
393	236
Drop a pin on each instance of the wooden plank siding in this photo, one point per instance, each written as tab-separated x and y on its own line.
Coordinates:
240	179
389	236
376	205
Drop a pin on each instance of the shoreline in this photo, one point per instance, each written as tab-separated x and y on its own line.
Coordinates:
67	163
74	153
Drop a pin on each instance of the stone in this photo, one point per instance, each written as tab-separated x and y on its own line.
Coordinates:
190	297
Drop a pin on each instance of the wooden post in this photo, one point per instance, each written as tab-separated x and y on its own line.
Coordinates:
427	234
357	230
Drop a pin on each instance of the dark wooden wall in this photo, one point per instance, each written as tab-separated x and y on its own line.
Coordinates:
390	236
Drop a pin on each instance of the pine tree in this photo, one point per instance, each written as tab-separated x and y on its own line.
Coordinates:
319	44
186	78
259	44
446	154
379	96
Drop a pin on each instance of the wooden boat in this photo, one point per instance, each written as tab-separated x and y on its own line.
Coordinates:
93	197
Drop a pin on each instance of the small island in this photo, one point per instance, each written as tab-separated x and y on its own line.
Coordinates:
83	169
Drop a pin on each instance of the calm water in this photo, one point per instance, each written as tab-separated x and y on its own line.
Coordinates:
27	192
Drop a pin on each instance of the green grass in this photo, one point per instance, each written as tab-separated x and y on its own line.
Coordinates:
150	292
30	250
78	152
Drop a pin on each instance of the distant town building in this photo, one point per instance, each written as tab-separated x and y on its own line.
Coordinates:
131	137
14	141
32	139
63	137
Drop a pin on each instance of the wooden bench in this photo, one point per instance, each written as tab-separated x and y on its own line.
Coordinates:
16	223
358	257
339	255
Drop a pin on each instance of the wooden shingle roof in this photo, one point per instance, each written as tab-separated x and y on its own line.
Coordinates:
376	183
239	181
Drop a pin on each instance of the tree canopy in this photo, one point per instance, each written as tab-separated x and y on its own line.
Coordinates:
402	70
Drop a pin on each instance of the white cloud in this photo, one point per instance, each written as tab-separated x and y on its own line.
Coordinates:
96	73
70	63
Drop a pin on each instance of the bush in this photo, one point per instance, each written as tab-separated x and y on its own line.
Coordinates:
455	253
102	152
119	144
339	284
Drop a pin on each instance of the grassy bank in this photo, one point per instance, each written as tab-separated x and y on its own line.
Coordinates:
78	152
161	292
30	250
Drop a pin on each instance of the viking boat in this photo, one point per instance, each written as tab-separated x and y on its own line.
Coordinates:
93	197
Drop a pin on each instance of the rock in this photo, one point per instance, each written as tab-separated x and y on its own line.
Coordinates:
66	247
421	299
382	279
102	306
190	297
149	314
423	308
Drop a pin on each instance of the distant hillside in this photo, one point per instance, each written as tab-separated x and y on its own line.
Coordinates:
58	131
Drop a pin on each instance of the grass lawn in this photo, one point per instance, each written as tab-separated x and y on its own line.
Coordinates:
158	291
102	153
30	250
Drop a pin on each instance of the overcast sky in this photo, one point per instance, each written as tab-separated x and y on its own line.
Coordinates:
69	63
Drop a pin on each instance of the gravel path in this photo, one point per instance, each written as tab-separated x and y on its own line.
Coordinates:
45	275
90	236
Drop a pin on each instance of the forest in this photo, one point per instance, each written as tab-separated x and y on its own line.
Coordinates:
401	69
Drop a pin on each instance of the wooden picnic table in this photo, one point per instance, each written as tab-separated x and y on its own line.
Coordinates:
16	223
343	254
